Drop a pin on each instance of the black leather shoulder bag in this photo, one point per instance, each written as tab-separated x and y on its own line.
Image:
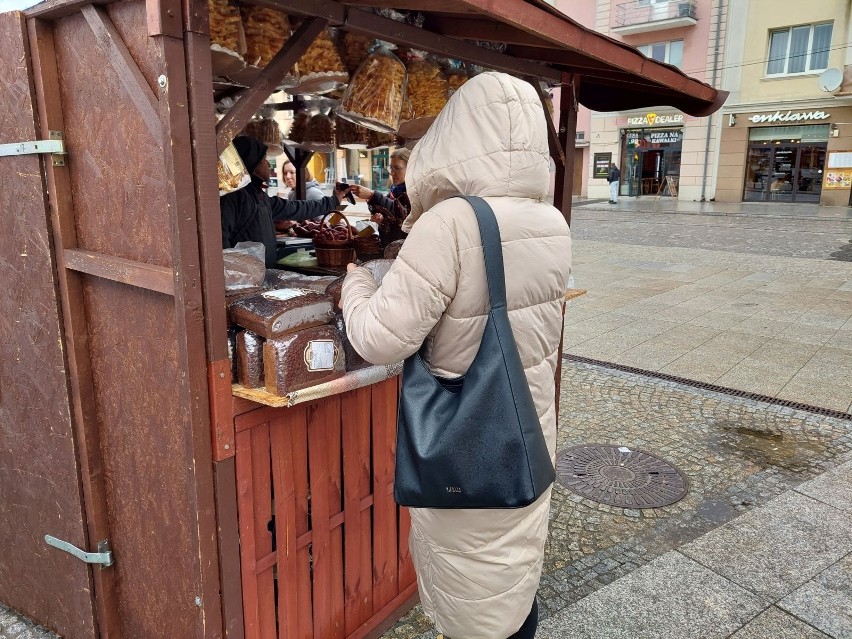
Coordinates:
474	442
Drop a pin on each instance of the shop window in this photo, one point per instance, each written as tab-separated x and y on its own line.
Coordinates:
670	52
800	49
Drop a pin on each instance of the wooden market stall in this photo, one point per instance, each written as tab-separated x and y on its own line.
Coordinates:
215	516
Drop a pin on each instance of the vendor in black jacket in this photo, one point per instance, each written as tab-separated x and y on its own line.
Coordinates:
249	214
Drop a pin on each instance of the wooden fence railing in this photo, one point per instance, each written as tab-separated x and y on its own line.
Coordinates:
323	547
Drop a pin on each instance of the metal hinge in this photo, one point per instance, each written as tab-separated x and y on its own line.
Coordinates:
55	146
102	557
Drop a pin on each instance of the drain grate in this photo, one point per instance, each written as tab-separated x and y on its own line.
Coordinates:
767	399
619	476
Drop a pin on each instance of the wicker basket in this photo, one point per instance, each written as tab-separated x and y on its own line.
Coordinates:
368	248
335	252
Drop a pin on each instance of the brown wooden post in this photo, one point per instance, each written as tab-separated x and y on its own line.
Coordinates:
564	187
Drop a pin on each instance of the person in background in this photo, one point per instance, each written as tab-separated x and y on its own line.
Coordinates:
249	214
478	570
613	177
312	187
288	180
389	211
398	167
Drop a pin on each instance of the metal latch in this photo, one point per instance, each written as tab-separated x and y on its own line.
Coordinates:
55	146
102	557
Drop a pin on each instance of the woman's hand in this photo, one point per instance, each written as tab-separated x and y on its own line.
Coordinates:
361	191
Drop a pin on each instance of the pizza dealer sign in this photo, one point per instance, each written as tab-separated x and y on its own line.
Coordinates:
650	119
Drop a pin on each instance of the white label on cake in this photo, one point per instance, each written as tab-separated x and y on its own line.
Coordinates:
283	294
319	355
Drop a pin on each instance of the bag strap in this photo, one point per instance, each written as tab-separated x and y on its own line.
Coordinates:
490	235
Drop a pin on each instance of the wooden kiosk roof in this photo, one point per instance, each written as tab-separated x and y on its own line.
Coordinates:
541	41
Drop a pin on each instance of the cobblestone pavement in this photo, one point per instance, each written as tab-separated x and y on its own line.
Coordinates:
736	453
15	626
823	238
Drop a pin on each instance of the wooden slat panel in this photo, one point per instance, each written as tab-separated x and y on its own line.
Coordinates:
323	418
228	536
335	498
385	618
284	483
358	569
385	584
299	445
118	269
406	566
255	509
248	552
262	498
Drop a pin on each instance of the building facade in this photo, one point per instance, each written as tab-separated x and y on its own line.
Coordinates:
786	130
661	151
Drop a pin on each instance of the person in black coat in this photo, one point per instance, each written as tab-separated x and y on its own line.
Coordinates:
249	214
613	178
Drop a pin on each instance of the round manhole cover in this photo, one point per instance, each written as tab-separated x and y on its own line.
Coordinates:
620	476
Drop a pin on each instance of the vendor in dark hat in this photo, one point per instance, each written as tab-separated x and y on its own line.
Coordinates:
249	214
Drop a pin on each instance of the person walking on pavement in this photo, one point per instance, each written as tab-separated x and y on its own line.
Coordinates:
478	570
613	177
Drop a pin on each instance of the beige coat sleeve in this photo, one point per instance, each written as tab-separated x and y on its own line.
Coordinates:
388	323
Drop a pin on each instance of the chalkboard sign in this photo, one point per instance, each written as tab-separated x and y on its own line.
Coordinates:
601	166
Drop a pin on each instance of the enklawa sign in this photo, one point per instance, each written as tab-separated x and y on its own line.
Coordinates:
789	116
652	119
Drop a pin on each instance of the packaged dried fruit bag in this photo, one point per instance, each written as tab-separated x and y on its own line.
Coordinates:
427	91
224	24
374	98
354	48
266	32
320	69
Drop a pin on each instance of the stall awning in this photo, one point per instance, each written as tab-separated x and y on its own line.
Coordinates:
540	41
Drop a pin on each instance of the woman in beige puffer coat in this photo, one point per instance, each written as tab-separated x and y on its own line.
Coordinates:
477	570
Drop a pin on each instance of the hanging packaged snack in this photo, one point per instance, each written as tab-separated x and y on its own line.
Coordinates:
266	32
376	140
232	171
354	48
298	128
225	37
374	98
320	69
349	135
428	92
319	136
456	73
267	131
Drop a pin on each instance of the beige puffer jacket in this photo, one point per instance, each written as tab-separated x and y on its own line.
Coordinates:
477	570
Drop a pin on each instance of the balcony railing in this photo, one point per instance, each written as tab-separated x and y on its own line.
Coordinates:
641	16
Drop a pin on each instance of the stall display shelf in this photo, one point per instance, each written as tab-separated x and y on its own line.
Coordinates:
350	381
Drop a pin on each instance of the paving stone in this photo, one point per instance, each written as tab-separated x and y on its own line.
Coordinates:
775	549
672	596
833	488
777	624
825	602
